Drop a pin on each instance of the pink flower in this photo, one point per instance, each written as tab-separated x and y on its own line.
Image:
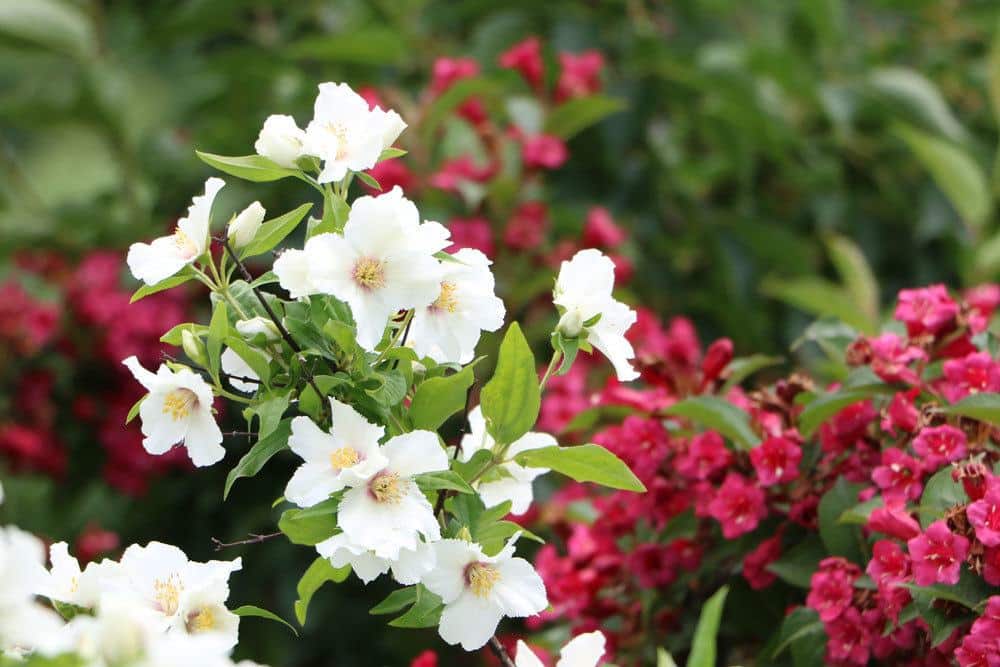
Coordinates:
717	357
601	231
899	475
973	373
389	174
926	310
891	358
776	461
653	565
939	445
526	58
850	637
426	659
937	555
526	229
580	75
889	565
448	71
472	233
983	301
991	566
847	427
977	651
984	515
738	505
706	454
893	520
543	151
901	414
755	563
831	588
454	172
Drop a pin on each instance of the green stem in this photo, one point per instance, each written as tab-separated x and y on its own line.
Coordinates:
395	338
553	365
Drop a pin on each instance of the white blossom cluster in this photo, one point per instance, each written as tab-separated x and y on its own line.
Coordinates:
382	260
152	608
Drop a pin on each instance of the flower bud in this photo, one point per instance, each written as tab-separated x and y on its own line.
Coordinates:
258	326
244	226
193	347
717	357
570	324
281	141
464	534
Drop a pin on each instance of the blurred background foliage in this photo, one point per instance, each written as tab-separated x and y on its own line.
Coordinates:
769	158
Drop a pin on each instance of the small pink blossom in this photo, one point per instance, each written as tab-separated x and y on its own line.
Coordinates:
937	555
974	373
938	445
901	415
706	455
899	475
926	309
755	563
892	356
831	588
984	515
525	57
738	505
543	151
471	233
893	520
776	461
580	75
601	231
889	565
526	229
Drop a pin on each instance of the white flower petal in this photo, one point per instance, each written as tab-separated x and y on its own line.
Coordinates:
469	621
415	453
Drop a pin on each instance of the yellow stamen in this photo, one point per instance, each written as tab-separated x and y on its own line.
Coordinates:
179	403
447	300
339	133
387	487
167	593
202	620
345	457
481	578
369	273
186	245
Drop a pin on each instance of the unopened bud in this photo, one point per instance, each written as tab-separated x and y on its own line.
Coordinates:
570	324
255	326
244	226
464	534
193	347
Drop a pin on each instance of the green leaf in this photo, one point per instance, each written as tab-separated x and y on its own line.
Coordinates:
390	153
133	412
583	463
399	599
59	26
820	297
438	398
273	232
172	281
425	612
250	610
318	574
859	514
254	359
984	407
310	526
840	539
797	565
908	92
442	107
970	591
743	367
703	648
941	494
825	406
174	335
803	633
259	454
856	273
577	114
447	480
335	212
256	168
371	45
957	174
942	624
369	180
218	329
511	399
719	415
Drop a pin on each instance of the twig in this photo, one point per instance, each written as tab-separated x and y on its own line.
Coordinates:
254	539
442	494
500	652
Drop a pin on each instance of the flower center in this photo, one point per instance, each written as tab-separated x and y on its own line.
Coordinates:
369	273
387	487
179	403
167	593
447	300
339	133
345	457
185	244
202	620
481	578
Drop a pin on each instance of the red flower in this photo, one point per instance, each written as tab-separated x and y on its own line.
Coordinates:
706	455
893	520
426	659
447	71
653	565
601	231
543	151
939	445
738	505
717	357
899	475
389	174
580	75
831	588
851	635
973	373
891	358
471	233
984	515
755	563
776	461
926	310
983	301
901	414
526	58
526	229
889	565
937	555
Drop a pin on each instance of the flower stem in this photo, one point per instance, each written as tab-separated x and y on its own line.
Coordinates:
553	365
500	652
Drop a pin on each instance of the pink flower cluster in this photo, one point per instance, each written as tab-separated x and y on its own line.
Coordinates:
705	492
88	327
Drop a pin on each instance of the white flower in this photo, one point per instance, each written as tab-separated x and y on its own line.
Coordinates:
345	134
258	326
281	141
165	256
514	484
292	269
583	290
236	368
408	569
346	456
184	596
387	513
383	263
478	590
448	329
583	650
178	409
67	583
244	226
24	624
